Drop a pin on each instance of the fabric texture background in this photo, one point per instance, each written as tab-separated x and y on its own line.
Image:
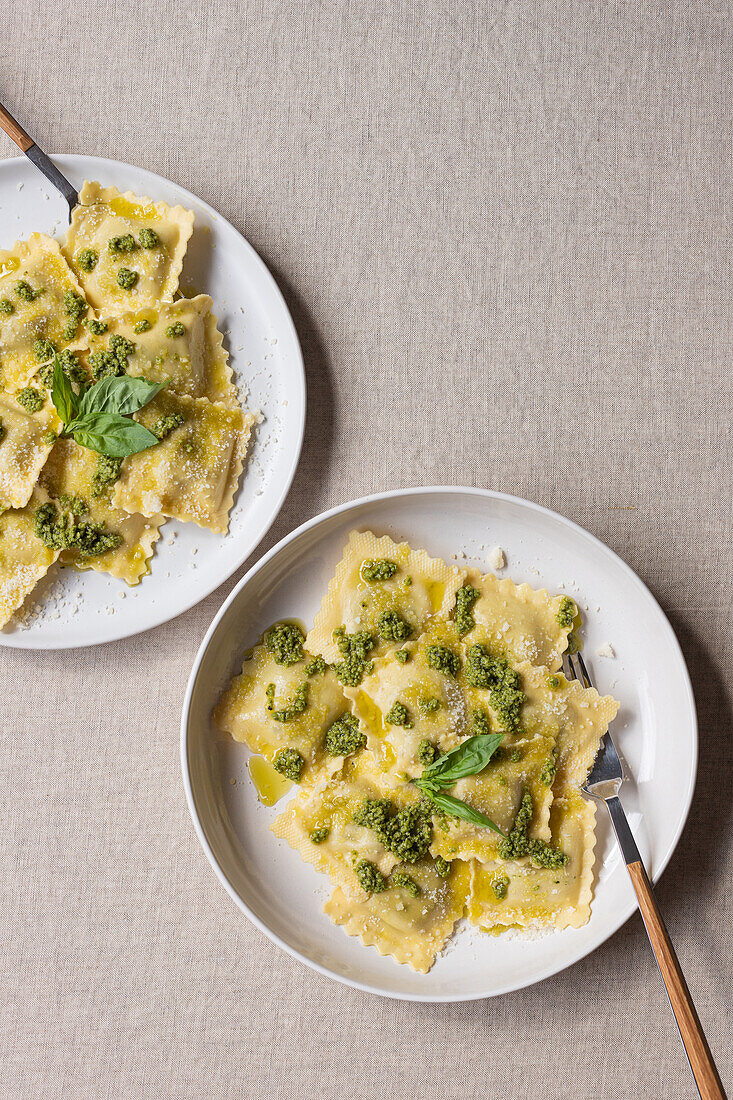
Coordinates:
503	230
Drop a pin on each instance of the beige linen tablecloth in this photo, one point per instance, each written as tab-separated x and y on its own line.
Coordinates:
503	230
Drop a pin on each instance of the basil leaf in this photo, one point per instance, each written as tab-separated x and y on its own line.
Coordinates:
62	393
455	808
123	395
468	758
111	434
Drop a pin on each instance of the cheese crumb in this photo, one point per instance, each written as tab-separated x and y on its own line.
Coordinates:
606	650
497	558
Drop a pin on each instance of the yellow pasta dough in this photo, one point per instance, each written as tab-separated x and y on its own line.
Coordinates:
106	215
24	559
24	447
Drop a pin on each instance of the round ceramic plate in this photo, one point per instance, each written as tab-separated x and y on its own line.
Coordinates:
655	732
80	609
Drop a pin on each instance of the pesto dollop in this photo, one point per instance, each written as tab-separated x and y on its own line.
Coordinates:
126	278
97	328
500	680
75	308
320	834
87	259
122	245
289	763
114	361
355	650
176	329
518	843
148	237
296	706
402	656
43	350
566	612
379	569
371	879
25	291
442	659
31	399
316	667
142	326
70	365
403	881
393	628
427	752
167	424
285	642
6	306
106	474
465	599
429	704
344	737
399	715
68	530
547	774
407	833
442	867
500	885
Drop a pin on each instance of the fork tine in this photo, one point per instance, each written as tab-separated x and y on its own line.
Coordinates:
587	682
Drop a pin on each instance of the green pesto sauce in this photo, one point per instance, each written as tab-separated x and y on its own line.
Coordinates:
70	365
97	328
480	723
167	424
500	885
399	715
566	612
429	705
148	237
142	326
287	713
316	667
355	650
105	475
442	867
68	530
6	306
25	291
500	680
515	756
49	437
31	399
402	655
319	835
465	599
126	278
403	881
176	329
547	774
393	628
344	737
553	682
43	350
407	834
87	259
289	763
379	569
285	642
123	245
371	879
518	843
114	361
427	752
75	308
442	659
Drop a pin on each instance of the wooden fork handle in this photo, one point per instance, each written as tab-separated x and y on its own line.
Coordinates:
14	130
696	1045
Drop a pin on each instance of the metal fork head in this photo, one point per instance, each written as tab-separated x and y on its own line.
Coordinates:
606	774
52	174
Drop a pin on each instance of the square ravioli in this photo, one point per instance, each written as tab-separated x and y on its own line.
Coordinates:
24	559
175	340
71	473
409	922
193	473
516	621
521	895
296	717
384	589
127	251
25	444
40	301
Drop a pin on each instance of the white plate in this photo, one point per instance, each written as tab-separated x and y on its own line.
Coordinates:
655	732
80	609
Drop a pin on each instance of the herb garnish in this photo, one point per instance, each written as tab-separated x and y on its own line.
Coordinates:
468	758
99	416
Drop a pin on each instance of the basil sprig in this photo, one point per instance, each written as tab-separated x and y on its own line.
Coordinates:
99	416
468	758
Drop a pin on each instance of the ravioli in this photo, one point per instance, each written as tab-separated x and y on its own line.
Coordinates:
105	215
70	471
24	559
192	475
516	621
540	897
34	278
25	444
419	589
244	711
411	929
178	341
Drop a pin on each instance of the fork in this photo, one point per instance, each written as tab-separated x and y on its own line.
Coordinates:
603	785
35	154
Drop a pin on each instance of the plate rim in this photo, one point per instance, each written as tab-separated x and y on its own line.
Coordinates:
374	498
302	396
